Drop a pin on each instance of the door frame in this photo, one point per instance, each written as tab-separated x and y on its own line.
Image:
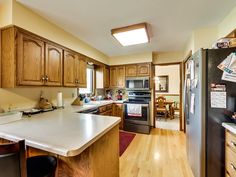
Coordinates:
181	127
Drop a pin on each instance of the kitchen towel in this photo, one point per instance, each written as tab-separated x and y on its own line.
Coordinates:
134	110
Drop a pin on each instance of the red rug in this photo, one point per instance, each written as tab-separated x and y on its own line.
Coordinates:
125	139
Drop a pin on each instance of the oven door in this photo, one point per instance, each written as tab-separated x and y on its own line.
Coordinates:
144	119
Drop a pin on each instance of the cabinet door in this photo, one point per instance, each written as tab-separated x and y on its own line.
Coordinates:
106	77
30	60
121	76
131	70
82	72
113	77
70	59
143	70
53	66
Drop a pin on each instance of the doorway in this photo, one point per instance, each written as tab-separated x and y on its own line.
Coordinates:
168	96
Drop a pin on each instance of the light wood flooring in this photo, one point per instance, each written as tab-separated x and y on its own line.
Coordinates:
160	154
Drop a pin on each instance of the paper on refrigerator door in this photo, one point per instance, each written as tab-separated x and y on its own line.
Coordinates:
229	68
218	99
192	103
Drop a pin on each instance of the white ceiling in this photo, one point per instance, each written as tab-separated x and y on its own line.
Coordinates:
170	21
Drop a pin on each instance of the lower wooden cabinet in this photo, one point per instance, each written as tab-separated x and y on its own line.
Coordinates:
118	111
230	154
106	110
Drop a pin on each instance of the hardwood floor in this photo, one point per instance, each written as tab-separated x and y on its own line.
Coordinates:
160	154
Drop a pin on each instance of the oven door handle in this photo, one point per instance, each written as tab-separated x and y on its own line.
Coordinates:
143	105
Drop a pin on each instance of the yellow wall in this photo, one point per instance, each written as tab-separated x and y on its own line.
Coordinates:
5	13
228	24
134	58
167	57
31	21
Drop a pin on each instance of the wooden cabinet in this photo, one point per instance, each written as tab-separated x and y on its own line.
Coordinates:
113	75
106	77
117	76
106	110
131	70
30	60
71	61
53	65
119	112
144	69
230	154
75	74
82	72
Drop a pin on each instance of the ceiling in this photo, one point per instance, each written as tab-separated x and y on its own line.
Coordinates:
170	21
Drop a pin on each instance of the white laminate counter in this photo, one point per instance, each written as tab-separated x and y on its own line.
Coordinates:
230	126
63	132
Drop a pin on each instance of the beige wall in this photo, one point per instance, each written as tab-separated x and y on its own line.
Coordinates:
5	13
167	57
228	24
134	58
31	21
173	72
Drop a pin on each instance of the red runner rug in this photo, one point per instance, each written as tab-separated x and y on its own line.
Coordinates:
125	139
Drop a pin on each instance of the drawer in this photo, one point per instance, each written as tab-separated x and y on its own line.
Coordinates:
231	140
109	106
102	109
230	162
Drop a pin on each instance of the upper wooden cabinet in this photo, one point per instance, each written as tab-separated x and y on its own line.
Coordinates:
53	65
30	60
102	77
106	77
82	71
117	76
131	70
144	69
71	61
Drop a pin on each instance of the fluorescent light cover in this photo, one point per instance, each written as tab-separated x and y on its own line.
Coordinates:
136	34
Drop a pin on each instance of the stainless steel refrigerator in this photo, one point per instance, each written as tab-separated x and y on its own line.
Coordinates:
205	135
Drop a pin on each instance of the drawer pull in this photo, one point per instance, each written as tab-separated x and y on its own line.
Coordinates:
232	143
232	166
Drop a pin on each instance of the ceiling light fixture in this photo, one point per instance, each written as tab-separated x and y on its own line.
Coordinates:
131	35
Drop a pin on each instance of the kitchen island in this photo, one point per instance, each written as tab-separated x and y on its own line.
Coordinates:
85	145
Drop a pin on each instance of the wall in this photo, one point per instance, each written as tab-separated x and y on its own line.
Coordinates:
31	21
228	24
5	13
22	98
167	57
128	59
174	76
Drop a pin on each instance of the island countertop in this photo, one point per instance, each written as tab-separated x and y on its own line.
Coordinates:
61	132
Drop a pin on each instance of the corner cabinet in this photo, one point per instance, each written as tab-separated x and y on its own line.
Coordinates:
117	76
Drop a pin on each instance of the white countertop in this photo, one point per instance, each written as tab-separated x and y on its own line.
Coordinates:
230	126
63	132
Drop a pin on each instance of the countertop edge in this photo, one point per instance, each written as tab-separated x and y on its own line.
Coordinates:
230	126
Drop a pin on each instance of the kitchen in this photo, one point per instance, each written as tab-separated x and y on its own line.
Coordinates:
21	88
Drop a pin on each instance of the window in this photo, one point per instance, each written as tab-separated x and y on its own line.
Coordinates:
90	77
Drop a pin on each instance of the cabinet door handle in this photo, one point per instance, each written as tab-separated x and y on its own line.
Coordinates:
232	143
232	166
43	78
46	78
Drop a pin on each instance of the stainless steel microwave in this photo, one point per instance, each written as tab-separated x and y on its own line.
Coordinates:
137	83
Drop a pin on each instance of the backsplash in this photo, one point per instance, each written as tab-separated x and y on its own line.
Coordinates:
23	98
